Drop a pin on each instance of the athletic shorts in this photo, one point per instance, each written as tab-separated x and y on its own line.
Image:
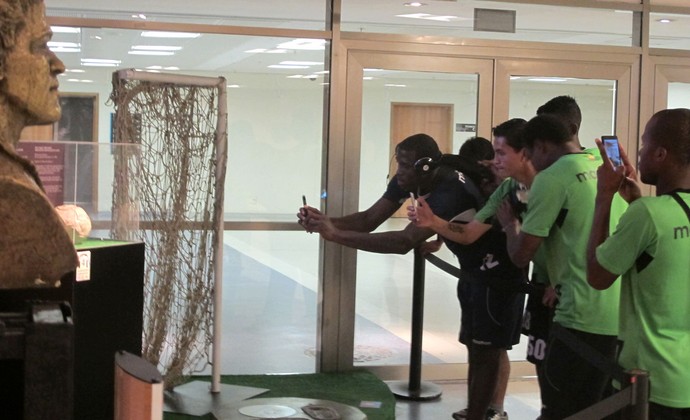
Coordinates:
488	316
536	323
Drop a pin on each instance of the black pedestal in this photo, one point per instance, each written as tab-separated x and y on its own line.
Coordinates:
107	315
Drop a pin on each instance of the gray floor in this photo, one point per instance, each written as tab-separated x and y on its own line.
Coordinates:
521	403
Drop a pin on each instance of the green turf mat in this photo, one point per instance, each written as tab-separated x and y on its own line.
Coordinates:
346	388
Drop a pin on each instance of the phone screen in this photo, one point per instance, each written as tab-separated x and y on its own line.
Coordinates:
612	150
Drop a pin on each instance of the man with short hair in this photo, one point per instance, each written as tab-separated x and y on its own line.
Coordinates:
451	195
558	218
650	248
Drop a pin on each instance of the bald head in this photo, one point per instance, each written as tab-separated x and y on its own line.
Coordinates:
670	129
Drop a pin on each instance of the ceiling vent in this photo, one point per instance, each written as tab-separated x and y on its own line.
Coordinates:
494	20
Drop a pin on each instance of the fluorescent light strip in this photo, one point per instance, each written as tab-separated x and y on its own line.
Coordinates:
301	63
139	52
156	47
281	66
65	30
164	34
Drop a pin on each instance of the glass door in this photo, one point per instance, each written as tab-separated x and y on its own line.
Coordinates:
401	95
601	90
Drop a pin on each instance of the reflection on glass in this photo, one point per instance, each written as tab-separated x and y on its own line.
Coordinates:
384	282
669	31
302	14
678	95
596	99
531	22
269	302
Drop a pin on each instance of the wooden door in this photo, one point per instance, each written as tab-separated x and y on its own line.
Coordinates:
407	119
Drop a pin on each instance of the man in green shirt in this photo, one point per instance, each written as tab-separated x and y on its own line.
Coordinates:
558	218
650	248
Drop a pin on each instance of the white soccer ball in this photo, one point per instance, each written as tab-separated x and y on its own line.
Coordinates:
76	221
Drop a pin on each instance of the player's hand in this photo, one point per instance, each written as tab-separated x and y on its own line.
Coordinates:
429	247
421	216
550	298
304	214
505	214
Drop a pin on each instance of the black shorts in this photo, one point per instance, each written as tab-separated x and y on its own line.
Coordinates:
488	316
536	323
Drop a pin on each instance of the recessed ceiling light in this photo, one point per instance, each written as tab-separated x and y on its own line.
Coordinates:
664	20
139	16
414	4
164	34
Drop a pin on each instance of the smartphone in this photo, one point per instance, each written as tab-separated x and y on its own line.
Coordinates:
303	210
612	150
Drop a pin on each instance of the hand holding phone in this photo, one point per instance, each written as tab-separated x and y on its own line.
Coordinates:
303	210
612	149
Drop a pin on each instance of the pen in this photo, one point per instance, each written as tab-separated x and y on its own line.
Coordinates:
304	200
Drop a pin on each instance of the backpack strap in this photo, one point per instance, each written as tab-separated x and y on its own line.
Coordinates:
681	203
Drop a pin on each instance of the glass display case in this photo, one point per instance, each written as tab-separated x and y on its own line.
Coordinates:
79	180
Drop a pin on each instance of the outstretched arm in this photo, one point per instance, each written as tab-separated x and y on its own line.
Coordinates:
392	242
462	233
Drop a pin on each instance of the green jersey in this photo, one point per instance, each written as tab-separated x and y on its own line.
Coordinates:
512	190
560	210
651	248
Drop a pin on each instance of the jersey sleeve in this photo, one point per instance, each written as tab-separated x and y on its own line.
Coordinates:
547	197
491	206
394	193
633	236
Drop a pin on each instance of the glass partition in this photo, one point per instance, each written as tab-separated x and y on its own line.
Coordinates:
667	30
596	98
78	179
492	20
302	14
678	95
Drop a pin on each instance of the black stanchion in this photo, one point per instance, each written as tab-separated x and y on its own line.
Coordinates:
415	389
639	406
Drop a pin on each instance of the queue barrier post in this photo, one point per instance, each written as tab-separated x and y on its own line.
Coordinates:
416	389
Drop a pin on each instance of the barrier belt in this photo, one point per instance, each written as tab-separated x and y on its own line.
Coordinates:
587	352
447	267
605	407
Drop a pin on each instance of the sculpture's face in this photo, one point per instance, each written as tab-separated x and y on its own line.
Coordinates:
30	79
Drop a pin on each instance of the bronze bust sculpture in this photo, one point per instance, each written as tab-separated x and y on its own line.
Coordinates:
35	249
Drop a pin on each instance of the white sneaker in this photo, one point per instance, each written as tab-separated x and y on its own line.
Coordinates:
491	414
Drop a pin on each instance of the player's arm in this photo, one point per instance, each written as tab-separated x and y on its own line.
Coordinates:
462	233
369	219
521	246
363	221
609	179
392	242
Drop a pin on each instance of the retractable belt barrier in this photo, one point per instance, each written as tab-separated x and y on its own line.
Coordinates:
634	394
